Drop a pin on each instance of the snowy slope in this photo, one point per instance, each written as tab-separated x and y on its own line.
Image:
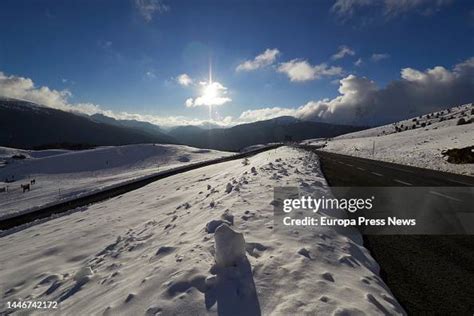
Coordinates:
420	146
62	174
148	251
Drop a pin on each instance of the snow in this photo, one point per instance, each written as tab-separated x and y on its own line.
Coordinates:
62	175
148	251
230	246
257	147
419	147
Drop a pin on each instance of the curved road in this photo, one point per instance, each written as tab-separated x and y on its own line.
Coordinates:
429	274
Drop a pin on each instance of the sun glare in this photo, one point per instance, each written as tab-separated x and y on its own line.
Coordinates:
211	92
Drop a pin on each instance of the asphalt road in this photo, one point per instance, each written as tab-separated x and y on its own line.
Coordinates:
342	170
428	274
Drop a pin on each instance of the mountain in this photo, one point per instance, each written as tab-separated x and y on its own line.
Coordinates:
275	130
27	125
150	128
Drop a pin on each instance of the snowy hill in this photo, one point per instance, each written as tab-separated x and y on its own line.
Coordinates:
62	174
156	250
418	141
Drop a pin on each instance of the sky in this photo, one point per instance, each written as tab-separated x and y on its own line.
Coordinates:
174	62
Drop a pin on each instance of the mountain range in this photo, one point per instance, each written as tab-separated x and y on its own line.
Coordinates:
27	125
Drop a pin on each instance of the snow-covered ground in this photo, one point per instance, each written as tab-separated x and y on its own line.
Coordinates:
61	174
257	147
149	251
417	143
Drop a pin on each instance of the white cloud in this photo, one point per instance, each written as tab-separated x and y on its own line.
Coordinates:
148	8
265	114
213	94
378	57
24	88
347	7
184	80
266	58
361	102
424	7
150	74
342	52
358	62
301	70
389	8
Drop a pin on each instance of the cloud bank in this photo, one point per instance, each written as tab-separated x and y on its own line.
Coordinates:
24	89
362	102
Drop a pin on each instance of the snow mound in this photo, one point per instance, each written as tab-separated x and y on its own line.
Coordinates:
230	246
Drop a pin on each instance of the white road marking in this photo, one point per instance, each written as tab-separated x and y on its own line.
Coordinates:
445	196
349	165
402	182
377	174
361	169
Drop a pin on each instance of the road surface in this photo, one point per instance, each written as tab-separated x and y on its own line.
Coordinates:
343	170
429	274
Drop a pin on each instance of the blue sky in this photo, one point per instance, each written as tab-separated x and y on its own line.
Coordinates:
126	55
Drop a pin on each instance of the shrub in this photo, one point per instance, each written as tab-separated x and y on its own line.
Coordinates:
462	121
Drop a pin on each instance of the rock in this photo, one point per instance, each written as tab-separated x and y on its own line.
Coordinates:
212	225
211	281
83	275
304	252
227	216
229	245
228	188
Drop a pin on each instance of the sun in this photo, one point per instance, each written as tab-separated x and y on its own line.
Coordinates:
210	92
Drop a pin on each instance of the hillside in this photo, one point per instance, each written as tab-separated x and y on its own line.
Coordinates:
420	141
62	174
27	125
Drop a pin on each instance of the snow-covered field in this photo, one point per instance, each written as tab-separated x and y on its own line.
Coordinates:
416	142
149	251
61	174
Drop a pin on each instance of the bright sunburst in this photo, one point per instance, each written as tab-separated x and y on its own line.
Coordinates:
212	94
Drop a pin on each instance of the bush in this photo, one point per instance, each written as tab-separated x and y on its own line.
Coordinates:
19	156
462	121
